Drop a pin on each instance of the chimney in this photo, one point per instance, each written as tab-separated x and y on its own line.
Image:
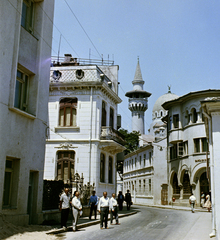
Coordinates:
67	57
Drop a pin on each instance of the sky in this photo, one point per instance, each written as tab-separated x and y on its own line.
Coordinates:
177	42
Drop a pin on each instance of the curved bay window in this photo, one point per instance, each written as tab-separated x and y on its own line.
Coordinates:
110	170
67	116
102	167
65	165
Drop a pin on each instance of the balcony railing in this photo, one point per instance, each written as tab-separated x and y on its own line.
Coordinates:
109	133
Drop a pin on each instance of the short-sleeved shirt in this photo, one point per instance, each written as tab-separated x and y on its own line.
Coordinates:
65	199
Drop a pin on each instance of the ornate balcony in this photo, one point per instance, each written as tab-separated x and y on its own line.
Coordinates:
109	133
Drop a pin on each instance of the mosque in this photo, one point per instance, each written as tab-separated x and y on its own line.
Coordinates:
173	157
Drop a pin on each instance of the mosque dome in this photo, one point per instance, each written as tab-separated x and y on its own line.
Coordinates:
158	110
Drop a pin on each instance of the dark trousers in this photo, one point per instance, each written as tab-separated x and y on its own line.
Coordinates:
120	203
114	214
128	205
104	216
93	208
64	216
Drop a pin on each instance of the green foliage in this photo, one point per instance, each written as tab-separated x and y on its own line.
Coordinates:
131	139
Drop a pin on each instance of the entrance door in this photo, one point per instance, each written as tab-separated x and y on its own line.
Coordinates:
204	184
32	197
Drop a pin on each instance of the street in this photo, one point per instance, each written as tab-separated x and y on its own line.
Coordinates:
151	224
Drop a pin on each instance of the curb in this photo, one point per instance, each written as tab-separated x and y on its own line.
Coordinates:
82	225
173	208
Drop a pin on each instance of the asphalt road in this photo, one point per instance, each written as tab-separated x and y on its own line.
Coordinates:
147	224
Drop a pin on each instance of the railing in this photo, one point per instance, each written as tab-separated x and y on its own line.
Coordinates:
109	133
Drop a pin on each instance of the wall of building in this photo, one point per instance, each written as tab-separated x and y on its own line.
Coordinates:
23	143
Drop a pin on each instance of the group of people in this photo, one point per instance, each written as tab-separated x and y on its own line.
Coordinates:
104	206
205	201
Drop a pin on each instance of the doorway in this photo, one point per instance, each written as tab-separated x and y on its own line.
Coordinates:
32	197
204	183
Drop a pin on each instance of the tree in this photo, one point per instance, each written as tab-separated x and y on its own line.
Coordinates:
131	139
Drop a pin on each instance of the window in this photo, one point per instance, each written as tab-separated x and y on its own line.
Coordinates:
170	123
144	159
110	170
197	145
176	121
103	114
205	146
11	183
194	115
173	152
185	147
149	187
65	166
102	168
140	161
144	186
111	120
180	149
139	186
187	117
68	112
150	158
135	161
27	15
21	91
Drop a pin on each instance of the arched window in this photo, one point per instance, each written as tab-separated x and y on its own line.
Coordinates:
65	165
194	115
103	114
110	170
161	114
68	112
102	167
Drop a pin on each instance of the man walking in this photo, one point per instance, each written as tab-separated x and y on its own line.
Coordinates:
64	207
192	201
103	208
93	202
77	207
128	199
114	209
120	200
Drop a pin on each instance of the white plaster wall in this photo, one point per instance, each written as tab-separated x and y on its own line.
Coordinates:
24	137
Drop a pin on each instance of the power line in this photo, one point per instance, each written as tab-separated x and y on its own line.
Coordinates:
83	28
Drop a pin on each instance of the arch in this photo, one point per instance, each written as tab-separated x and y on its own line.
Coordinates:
197	171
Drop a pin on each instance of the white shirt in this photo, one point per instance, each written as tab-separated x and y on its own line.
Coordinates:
113	203
103	202
192	199
65	199
76	203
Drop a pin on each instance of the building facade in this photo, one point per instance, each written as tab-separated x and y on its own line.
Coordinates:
25	65
82	136
188	149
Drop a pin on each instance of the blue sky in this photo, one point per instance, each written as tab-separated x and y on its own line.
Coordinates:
178	43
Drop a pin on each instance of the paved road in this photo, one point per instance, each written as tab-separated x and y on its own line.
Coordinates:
151	224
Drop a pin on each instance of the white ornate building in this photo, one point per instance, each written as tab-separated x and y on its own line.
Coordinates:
82	137
25	65
188	148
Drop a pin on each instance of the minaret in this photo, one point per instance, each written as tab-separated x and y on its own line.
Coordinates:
138	101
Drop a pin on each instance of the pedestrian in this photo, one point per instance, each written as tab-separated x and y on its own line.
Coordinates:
128	199
120	200
192	202
114	209
77	210
93	202
64	207
103	208
202	199
208	204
